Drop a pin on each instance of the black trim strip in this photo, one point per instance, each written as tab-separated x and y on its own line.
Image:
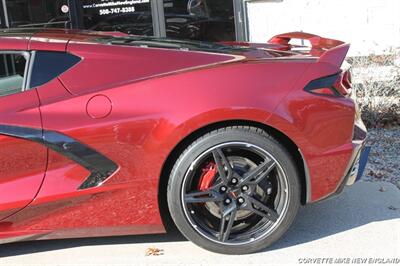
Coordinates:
100	167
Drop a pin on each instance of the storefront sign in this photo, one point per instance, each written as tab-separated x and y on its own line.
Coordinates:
110	7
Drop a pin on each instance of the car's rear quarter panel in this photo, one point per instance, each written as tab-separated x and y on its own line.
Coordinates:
322	128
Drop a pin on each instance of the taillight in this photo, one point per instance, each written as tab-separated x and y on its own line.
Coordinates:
338	85
347	79
324	91
324	86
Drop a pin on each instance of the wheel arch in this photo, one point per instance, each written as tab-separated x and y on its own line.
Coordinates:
185	142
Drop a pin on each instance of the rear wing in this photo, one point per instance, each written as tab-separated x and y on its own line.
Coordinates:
329	50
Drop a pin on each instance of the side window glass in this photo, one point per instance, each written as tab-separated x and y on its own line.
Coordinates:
49	65
12	73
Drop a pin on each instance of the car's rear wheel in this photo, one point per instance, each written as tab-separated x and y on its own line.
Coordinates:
234	190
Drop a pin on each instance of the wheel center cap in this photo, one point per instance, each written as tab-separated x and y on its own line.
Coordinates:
234	193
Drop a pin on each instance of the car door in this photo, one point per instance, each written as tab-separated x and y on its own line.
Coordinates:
22	156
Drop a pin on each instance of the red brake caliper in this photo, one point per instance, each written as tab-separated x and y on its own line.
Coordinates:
207	176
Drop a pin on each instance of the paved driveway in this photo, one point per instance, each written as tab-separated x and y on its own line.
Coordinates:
362	223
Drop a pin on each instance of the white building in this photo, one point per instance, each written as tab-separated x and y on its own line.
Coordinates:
371	26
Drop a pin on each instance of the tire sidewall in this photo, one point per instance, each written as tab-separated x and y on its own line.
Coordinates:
253	136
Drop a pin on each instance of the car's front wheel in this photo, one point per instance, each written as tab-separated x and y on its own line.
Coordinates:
234	190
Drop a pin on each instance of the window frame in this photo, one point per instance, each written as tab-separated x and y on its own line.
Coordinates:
241	20
28	58
3	15
243	25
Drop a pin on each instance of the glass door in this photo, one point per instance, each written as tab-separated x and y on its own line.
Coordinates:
203	20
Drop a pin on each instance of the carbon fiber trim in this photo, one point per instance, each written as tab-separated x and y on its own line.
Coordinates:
100	167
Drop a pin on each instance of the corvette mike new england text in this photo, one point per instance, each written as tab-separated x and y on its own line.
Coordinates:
349	260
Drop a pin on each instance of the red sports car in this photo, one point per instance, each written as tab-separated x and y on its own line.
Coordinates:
109	134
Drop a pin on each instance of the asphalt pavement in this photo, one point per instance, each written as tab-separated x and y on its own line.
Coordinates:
360	225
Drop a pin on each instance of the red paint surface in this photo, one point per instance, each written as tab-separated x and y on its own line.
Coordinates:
99	106
22	163
159	97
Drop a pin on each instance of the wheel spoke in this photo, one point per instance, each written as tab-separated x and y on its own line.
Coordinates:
227	213
223	165
203	196
261	209
259	173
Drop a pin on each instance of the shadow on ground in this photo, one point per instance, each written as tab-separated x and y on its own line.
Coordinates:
360	204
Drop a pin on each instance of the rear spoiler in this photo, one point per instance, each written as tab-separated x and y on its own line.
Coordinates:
333	51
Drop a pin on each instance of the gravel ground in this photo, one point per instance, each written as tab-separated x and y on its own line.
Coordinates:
384	159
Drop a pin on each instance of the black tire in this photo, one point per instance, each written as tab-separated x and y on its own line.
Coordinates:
205	234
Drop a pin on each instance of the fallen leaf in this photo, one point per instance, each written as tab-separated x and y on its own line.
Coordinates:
154	252
371	173
382	189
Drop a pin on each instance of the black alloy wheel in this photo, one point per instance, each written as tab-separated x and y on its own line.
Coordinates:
234	191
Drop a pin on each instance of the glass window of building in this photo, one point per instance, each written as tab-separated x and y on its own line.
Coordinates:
37	13
132	16
204	20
